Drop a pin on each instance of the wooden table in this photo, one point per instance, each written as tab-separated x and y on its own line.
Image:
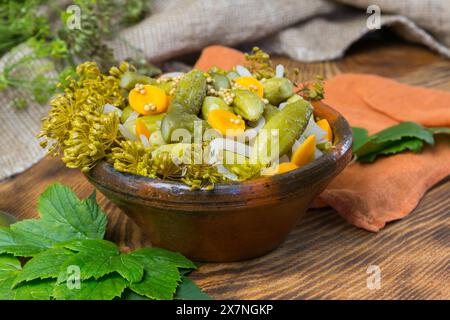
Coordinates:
324	257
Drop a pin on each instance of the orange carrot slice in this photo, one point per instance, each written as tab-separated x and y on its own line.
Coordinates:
325	125
141	128
148	99
251	84
305	153
281	168
226	122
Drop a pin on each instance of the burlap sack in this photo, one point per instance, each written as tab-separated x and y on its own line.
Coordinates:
308	30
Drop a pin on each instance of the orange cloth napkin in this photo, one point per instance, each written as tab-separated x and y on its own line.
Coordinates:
370	195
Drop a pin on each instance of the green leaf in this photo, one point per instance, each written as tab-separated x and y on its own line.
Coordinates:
34	290
9	263
391	135
82	217
161	275
46	264
64	217
414	145
402	130
10	268
97	258
360	137
106	288
441	130
159	254
14	244
188	290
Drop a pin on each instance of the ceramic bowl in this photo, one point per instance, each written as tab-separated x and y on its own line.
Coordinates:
235	221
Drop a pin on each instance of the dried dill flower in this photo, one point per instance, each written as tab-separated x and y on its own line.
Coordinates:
202	176
90	139
314	90
259	64
132	157
244	171
163	166
75	124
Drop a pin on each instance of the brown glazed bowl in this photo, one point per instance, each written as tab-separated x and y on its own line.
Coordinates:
234	221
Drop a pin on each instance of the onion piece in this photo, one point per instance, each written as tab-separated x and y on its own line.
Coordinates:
255	127
171	75
133	116
226	173
108	108
144	141
279	71
317	153
126	133
219	144
284	158
243	71
313	128
282	105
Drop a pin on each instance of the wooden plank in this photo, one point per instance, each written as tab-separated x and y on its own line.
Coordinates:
324	257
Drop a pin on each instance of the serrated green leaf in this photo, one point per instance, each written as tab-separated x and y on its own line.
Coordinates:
391	135
9	263
131	295
34	290
16	245
441	130
360	137
161	275
97	258
159	254
10	268
414	145
63	217
46	264
404	129
106	288
188	290
83	217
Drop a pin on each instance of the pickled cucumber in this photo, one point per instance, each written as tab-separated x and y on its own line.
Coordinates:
288	123
247	104
180	120
130	79
277	90
190	92
269	111
126	113
212	103
220	81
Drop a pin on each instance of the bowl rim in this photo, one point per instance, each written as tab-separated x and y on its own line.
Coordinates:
319	169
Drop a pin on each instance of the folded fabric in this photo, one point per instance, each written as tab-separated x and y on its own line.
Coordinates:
370	195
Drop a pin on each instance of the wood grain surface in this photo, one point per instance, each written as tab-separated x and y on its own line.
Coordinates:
324	257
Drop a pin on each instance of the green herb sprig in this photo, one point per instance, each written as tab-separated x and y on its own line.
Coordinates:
55	46
399	138
69	259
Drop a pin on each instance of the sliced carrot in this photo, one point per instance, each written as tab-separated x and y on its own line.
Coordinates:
141	128
305	153
325	125
226	122
252	84
281	168
148	99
